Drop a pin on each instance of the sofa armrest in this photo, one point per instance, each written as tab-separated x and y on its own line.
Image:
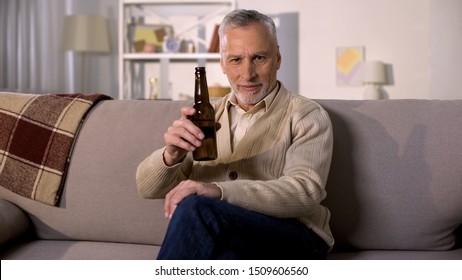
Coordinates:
13	221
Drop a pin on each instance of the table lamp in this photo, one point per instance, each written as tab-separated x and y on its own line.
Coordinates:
374	75
85	34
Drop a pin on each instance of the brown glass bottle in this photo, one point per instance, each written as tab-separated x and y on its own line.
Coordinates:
204	118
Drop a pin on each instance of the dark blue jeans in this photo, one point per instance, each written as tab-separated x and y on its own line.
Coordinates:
202	228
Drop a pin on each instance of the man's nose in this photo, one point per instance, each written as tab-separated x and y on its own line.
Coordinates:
248	71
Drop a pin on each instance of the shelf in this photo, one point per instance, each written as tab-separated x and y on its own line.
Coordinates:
171	56
180	7
191	20
168	2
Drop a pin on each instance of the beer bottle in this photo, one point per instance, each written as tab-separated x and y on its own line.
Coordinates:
204	118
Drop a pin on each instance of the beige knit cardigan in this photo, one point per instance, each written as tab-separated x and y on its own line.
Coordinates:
281	164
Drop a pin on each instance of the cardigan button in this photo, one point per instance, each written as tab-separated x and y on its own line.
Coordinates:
233	175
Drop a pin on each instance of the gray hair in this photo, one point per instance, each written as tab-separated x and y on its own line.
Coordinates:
242	18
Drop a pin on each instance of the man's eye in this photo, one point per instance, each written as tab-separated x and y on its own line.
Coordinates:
235	60
259	59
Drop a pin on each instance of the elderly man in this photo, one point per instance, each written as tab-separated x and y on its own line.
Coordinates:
260	199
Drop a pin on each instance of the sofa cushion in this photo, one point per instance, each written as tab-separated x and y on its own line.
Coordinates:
396	180
13	221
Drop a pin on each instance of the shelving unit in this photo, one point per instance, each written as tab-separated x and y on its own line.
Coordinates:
198	20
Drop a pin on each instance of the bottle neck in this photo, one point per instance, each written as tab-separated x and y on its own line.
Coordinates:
201	93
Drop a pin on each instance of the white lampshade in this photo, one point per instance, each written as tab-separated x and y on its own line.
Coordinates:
374	72
85	33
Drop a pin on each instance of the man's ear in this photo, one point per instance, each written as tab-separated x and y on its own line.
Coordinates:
279	58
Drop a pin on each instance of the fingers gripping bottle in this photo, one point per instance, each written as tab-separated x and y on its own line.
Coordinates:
204	118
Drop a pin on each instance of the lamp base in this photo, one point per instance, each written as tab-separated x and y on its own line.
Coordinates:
372	92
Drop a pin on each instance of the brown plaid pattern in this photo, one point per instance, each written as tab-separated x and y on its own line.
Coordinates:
36	136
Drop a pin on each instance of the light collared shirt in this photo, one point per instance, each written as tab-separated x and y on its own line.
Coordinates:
240	120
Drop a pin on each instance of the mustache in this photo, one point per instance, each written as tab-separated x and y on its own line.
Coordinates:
249	84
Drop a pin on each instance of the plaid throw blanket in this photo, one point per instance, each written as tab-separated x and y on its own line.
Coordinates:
36	136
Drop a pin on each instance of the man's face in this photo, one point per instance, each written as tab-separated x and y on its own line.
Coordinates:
250	61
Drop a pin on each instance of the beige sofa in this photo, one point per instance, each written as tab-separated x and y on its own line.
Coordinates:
394	190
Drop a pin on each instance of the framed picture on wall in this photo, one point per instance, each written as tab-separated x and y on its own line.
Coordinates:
348	63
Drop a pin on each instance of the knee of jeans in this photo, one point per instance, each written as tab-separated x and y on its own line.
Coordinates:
193	205
189	202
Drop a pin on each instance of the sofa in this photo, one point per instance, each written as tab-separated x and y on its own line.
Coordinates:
394	188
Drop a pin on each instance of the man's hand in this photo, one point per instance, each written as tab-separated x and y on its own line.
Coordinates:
181	137
185	189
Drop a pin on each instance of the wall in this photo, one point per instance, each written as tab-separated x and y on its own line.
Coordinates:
395	32
420	40
446	49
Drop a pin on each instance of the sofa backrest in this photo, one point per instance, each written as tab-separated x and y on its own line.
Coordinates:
396	175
